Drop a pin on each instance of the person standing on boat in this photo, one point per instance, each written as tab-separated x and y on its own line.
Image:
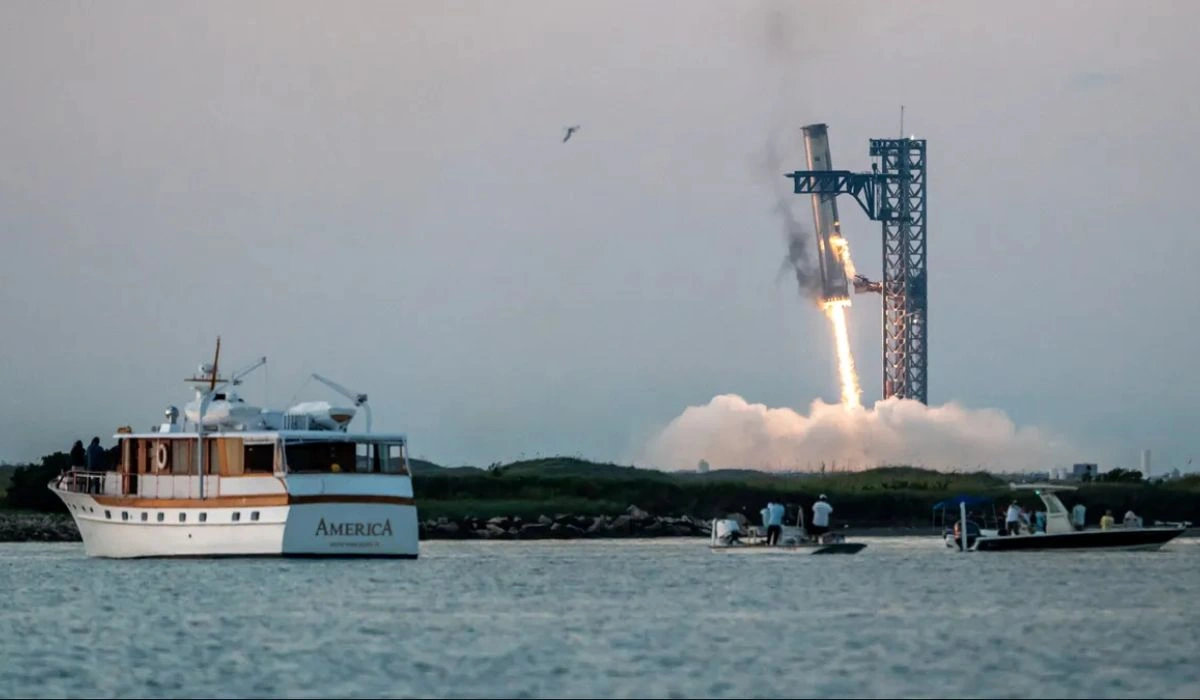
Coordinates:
1012	520
775	518
97	461
78	456
766	518
1077	515
1106	521
820	520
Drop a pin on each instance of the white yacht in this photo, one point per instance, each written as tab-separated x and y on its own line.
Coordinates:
234	479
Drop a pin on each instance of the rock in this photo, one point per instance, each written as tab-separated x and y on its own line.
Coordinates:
447	528
545	520
637	513
655	528
533	531
622	524
598	525
498	521
495	531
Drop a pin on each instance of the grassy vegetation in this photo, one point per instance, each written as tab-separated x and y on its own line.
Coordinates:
886	496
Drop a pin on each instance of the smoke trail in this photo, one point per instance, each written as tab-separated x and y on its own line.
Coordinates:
808	277
729	432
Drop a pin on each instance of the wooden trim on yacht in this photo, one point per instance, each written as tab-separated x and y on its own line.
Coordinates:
261	500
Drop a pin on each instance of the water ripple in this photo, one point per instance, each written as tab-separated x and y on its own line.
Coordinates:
661	618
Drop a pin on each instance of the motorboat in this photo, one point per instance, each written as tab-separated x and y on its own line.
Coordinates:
233	479
727	535
1061	534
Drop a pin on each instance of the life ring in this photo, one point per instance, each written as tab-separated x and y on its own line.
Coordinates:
160	456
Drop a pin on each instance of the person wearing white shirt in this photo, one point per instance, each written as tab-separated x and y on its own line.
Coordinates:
1012	520
820	520
775	520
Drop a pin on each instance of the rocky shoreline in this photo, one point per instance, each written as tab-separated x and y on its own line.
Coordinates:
635	522
24	526
27	526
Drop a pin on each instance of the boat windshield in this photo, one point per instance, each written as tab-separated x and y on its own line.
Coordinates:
341	456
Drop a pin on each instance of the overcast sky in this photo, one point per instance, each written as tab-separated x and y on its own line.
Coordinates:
379	192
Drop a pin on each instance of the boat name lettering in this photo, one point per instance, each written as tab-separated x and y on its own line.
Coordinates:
354	529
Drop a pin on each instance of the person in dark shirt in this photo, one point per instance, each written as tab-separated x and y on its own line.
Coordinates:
96	457
78	455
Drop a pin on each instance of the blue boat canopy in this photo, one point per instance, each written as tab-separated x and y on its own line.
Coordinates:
960	499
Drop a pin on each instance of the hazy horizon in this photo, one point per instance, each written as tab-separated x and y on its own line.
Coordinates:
379	192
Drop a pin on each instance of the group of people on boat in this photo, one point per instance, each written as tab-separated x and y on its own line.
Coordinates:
773	515
93	458
1022	521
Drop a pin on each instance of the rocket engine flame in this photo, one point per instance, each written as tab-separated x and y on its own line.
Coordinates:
835	309
851	394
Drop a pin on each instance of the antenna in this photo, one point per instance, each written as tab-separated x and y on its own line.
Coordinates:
216	360
901	121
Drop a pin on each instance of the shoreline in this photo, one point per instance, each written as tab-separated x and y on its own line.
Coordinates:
31	526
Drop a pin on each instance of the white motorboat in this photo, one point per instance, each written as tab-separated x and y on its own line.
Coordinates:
246	481
1060	534
727	535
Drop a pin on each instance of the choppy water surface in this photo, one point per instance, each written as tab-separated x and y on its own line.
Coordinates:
634	619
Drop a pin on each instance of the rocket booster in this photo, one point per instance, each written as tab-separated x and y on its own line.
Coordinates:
834	284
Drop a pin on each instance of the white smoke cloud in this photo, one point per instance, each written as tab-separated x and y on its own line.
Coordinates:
730	432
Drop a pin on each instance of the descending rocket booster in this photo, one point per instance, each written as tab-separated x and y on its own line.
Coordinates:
834	284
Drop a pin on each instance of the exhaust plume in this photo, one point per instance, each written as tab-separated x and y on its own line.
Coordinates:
808	277
729	432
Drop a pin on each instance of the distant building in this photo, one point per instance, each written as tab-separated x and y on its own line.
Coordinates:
1078	471
702	467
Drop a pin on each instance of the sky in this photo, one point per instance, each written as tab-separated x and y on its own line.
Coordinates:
379	192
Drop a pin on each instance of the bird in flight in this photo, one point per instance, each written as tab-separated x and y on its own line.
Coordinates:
570	130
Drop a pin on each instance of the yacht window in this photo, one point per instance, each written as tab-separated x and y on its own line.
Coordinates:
204	517
320	457
254	515
237	516
259	459
108	515
394	462
160	517
183	517
145	517
124	515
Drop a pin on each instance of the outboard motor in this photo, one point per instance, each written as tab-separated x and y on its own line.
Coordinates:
972	534
728	532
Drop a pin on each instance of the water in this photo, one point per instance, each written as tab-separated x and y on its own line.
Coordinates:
663	618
